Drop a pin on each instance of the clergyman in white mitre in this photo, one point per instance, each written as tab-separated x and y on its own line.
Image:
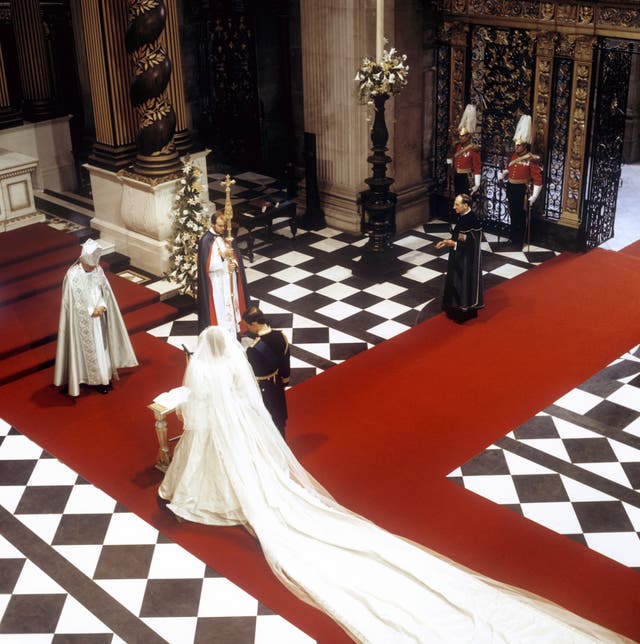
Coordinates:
93	342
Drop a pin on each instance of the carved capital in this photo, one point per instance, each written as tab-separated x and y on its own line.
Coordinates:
584	48
458	34
545	42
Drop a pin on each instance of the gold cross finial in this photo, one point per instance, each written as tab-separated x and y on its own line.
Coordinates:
228	209
227	183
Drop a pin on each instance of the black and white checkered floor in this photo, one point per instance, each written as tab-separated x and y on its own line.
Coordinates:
71	570
575	466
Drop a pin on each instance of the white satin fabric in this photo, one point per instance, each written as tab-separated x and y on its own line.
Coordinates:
90	350
231	466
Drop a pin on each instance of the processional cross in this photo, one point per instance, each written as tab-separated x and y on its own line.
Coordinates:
228	216
228	209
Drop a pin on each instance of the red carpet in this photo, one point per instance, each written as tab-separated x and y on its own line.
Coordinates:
20	289
28	242
28	322
40	264
382	430
632	249
42	356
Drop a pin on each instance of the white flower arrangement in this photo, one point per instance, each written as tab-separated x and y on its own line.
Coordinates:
190	221
388	76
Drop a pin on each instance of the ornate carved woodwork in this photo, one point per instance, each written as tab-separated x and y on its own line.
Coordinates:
595	17
527	56
579	110
545	44
442	119
458	76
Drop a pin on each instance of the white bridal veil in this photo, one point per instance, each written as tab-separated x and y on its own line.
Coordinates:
231	466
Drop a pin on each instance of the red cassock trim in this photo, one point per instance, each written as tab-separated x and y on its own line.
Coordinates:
242	300
213	320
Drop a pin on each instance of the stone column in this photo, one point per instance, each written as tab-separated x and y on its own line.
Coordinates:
407	109
104	23
170	38
335	36
37	87
579	110
9	116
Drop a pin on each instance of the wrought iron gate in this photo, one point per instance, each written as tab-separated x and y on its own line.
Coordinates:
559	124
501	85
613	66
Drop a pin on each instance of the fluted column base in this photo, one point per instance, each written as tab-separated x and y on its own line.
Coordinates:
112	158
39	109
9	117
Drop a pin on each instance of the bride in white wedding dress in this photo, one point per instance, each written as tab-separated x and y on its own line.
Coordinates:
231	466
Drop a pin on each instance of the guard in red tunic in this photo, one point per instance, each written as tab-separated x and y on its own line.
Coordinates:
465	162
522	172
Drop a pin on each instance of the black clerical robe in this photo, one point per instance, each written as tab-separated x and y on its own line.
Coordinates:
463	289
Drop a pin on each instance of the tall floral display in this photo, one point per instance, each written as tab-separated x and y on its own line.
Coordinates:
376	81
190	221
387	76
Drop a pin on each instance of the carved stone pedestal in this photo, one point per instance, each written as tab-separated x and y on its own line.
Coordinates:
49	142
17	207
136	216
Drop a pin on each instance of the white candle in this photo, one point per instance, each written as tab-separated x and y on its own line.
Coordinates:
379	29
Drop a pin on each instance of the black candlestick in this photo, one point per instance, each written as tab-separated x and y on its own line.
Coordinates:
379	219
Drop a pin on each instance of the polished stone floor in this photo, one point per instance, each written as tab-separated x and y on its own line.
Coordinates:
75	566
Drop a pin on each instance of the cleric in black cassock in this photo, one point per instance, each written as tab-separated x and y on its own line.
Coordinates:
463	288
269	357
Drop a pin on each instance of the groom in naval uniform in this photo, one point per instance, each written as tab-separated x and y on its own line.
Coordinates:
269	357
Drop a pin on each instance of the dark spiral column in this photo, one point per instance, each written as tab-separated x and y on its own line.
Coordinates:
156	155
